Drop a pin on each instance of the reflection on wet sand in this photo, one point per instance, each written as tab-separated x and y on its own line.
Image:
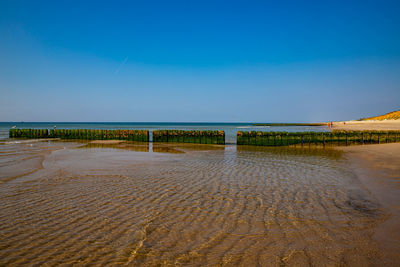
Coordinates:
295	150
151	147
212	205
139	147
183	148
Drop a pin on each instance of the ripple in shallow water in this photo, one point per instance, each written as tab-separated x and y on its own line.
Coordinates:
251	206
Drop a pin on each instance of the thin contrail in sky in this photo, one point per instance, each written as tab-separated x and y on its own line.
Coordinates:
121	65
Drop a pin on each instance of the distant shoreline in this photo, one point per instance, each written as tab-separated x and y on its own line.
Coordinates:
373	125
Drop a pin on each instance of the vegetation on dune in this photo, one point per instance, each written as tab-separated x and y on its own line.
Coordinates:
394	115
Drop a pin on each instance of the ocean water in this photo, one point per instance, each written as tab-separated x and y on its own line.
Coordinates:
229	128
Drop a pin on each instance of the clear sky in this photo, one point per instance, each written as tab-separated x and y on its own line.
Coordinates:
201	61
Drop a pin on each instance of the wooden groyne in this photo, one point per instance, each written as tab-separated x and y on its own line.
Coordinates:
336	137
177	136
28	133
180	136
84	134
129	135
253	138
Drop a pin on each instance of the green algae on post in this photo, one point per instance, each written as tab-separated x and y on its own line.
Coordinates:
28	133
180	136
83	134
336	137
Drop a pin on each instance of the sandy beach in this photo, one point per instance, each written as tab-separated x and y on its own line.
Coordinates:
378	168
182	204
107	142
367	125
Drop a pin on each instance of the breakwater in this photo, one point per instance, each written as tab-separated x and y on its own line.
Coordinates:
84	134
199	137
177	136
28	133
336	137
129	135
253	138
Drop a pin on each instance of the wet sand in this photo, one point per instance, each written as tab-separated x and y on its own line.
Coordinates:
197	205
378	167
367	125
107	142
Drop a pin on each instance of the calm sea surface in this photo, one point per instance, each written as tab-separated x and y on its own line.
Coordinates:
229	128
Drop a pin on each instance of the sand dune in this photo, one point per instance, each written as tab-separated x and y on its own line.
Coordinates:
394	115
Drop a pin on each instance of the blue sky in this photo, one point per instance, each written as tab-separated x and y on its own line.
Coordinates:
202	61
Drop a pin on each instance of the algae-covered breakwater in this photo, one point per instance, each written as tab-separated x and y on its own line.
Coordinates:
29	133
129	135
178	136
336	137
84	134
199	137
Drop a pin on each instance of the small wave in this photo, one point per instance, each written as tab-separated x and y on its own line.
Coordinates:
22	141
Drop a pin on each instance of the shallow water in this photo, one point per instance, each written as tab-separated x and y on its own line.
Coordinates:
158	204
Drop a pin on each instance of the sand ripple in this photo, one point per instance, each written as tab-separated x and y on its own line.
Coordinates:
271	207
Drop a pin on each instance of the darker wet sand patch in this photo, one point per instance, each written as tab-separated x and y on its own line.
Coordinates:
171	148
107	142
